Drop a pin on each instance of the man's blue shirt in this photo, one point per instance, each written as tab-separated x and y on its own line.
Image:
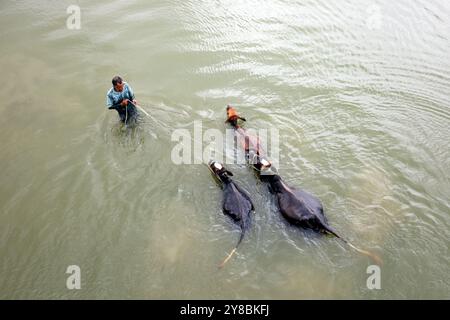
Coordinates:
113	97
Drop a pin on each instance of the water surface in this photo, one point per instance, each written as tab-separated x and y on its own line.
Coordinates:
359	91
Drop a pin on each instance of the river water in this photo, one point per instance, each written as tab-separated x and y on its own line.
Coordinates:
358	91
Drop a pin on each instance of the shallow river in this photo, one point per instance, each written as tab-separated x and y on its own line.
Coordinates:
358	91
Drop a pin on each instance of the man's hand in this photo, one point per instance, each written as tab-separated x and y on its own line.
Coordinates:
135	102
124	102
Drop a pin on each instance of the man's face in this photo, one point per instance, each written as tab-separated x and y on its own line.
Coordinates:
118	87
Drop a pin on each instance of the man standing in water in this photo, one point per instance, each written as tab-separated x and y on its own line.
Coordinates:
121	98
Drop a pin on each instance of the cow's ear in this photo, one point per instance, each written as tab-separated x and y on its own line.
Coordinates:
229	173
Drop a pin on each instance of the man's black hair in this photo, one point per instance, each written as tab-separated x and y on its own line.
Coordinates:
116	80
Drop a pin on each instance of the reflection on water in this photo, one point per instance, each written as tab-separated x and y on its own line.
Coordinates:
358	91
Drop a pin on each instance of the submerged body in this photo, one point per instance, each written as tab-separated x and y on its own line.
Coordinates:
236	201
237	205
299	207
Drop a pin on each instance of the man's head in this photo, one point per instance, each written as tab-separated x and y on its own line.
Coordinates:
117	83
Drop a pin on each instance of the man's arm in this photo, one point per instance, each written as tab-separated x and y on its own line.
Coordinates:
117	106
110	103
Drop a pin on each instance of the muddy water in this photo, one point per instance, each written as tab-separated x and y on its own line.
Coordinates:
357	89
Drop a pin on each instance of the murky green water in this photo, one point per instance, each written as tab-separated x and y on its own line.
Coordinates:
359	91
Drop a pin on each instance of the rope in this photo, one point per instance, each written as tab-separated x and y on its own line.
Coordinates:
168	128
126	113
242	134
